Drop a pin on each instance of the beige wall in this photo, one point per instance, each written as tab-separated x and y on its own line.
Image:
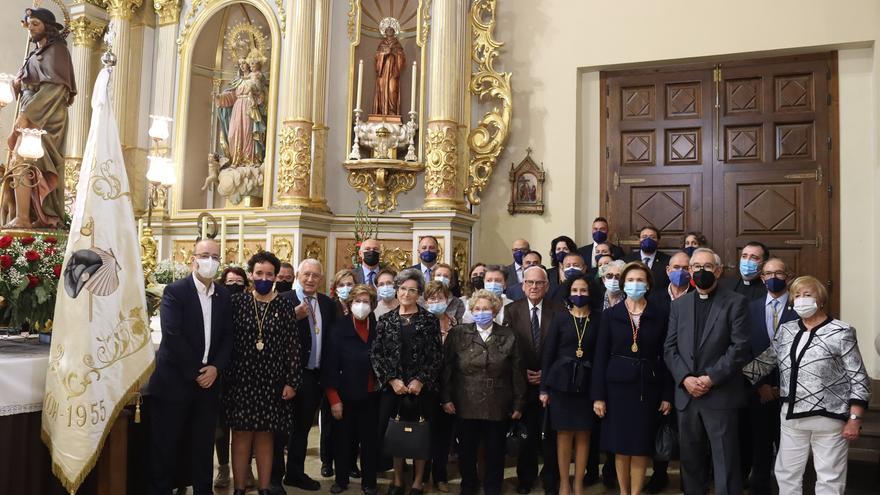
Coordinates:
555	49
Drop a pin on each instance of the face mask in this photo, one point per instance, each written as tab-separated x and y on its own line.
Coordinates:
371	258
579	300
360	310
612	286
343	291
283	286
518	256
775	285
235	288
635	290
704	279
207	268
298	288
599	237
679	278
445	280
648	245
263	287
428	256
437	308
572	273
386	292
805	307
495	288
477	283
560	256
748	268
482	318
689	250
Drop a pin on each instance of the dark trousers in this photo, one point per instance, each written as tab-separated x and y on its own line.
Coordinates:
357	426
527	462
221	443
442	436
765	436
328	435
305	406
704	431
174	424
491	435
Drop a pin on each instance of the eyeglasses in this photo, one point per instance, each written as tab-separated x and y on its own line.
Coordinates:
311	275
408	290
206	256
777	274
709	267
536	283
612	276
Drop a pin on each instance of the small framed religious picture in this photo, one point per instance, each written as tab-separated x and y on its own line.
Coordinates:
526	187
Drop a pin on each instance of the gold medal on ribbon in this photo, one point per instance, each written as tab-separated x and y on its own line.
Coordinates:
635	347
579	353
260	345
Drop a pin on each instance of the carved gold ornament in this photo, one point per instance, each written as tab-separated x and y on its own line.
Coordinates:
149	252
354	10
396	258
122	9
460	259
167	10
86	31
315	250
424	22
294	159
283	248
246	41
441	159
487	138
381	185
71	179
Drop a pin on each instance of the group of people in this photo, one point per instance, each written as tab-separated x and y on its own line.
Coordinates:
589	355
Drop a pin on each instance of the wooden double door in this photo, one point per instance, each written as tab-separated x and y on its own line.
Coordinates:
740	152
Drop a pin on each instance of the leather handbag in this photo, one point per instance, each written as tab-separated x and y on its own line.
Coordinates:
516	438
666	441
408	439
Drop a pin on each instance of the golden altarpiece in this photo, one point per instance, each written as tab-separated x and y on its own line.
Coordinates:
283	118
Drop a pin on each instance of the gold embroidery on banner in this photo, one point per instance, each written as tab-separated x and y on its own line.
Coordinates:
441	159
105	184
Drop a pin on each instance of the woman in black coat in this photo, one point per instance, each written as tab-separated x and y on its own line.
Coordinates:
565	379
351	388
630	381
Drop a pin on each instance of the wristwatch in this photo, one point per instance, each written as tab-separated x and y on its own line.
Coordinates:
855	417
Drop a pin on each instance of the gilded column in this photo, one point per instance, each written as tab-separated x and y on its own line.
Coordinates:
319	105
86	31
443	167
295	150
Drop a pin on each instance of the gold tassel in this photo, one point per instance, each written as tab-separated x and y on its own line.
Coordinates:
137	410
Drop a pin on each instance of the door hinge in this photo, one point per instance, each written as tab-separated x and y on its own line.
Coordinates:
815	175
828	140
829	98
829	284
716	74
817	242
607	113
830	190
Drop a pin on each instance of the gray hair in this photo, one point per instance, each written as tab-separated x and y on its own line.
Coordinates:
536	267
487	295
410	274
707	250
616	263
310	261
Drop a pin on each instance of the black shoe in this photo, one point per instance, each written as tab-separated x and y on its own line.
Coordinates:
303	481
264	492
591	479
337	488
523	488
275	488
326	471
657	483
416	491
355	473
369	491
238	492
395	490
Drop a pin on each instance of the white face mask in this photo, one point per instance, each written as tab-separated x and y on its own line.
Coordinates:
805	306
360	310
207	268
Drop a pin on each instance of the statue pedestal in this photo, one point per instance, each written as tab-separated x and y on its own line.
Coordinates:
389	119
382	180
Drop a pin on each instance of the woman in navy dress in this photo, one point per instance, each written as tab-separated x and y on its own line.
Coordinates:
565	382
630	382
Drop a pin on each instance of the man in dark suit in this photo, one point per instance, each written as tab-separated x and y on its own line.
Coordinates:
530	318
600	236
706	348
650	254
369	254
748	282
184	391
765	316
515	292
427	253
315	315
514	271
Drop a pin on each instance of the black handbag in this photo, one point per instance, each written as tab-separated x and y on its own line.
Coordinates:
408	439
515	440
666	441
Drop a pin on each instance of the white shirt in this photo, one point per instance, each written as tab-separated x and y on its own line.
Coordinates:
519	271
315	354
206	296
484	334
650	257
782	301
593	256
366	271
428	278
540	307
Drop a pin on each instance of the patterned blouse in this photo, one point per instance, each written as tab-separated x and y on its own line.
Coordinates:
425	350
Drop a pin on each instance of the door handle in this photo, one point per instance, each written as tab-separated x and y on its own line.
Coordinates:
817	242
628	180
815	175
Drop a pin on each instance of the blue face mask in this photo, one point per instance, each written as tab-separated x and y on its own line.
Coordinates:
600	236
775	285
579	300
428	256
689	250
437	308
263	286
386	292
482	318
494	287
560	256
298	288
648	245
444	280
518	256
612	286
748	268
573	273
679	278
343	291
635	290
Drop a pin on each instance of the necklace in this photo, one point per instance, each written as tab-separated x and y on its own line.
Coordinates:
580	334
635	331
260	344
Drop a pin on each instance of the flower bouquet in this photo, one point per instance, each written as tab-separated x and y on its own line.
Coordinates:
30	267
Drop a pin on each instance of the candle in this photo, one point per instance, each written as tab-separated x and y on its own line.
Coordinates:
223	238
140	229
412	104
241	239
204	232
360	84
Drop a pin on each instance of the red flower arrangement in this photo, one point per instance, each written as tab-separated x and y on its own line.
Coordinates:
31	256
31	267
5	241
27	240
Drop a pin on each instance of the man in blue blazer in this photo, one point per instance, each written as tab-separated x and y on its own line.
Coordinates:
765	316
184	389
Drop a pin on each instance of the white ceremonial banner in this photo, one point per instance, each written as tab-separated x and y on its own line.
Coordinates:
101	350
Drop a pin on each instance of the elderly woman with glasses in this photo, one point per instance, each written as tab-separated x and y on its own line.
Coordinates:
407	356
609	275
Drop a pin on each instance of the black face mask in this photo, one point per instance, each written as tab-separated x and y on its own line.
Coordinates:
235	288
282	286
477	283
703	279
371	258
